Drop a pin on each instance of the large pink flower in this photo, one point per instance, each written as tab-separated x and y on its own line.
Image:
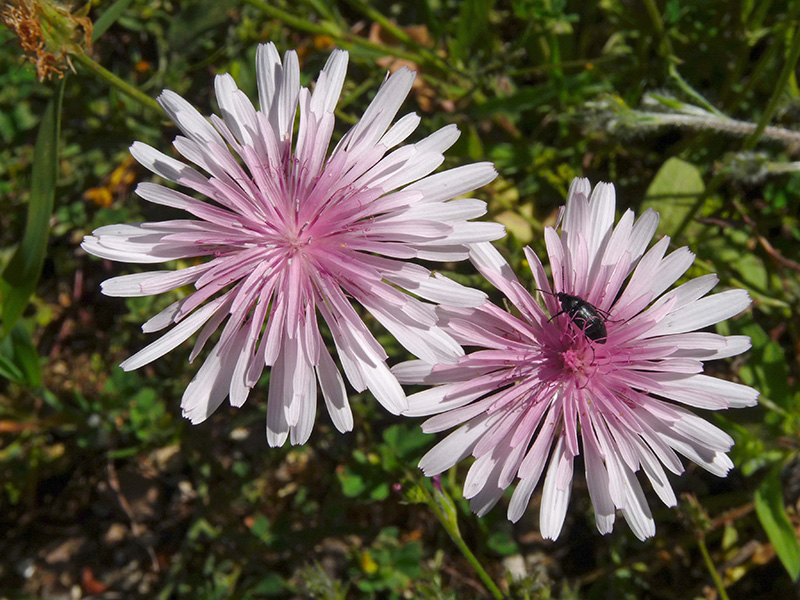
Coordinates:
288	234
551	383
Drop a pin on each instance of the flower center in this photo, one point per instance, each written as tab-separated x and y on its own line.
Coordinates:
295	240
578	363
574	361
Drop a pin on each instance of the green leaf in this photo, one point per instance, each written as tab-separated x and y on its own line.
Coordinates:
9	370
772	514
730	248
19	360
449	510
502	543
767	367
672	193
108	18
405	441
271	585
27	357
352	484
262	529
20	276
379	492
516	225
201	528
190	30
472	24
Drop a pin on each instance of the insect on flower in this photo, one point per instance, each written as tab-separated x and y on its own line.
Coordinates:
532	393
587	317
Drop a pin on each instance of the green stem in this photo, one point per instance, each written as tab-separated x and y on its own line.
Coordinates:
582	63
123	86
693	93
557	74
327	10
292	21
780	87
750	27
701	543
398	33
664	45
455	535
344	39
450	524
718	125
377	16
775	407
734	98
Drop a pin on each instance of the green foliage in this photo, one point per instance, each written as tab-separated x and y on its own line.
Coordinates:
367	477
107	19
19	359
20	275
364	479
318	584
772	514
388	565
502	543
472	28
767	369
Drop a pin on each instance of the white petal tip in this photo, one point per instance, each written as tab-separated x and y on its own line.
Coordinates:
194	417
276	440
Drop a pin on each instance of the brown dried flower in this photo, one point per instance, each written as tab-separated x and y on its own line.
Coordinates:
48	33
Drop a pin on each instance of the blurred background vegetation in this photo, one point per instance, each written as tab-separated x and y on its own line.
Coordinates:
689	107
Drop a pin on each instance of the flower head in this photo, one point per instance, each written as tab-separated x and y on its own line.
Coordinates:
602	370
286	234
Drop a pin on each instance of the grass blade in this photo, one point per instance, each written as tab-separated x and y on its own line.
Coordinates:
108	18
21	274
19	359
772	514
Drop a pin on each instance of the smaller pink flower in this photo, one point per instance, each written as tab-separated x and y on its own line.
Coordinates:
549	383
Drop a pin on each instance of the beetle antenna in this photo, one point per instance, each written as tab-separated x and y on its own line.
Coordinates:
543	291
561	312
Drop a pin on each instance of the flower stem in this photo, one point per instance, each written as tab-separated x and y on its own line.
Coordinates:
780	87
108	77
701	543
442	506
710	123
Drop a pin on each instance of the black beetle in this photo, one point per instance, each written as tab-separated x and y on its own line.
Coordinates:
585	316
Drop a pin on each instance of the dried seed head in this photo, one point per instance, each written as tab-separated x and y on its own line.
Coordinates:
48	33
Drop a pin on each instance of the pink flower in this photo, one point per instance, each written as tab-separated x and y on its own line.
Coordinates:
550	383
287	234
